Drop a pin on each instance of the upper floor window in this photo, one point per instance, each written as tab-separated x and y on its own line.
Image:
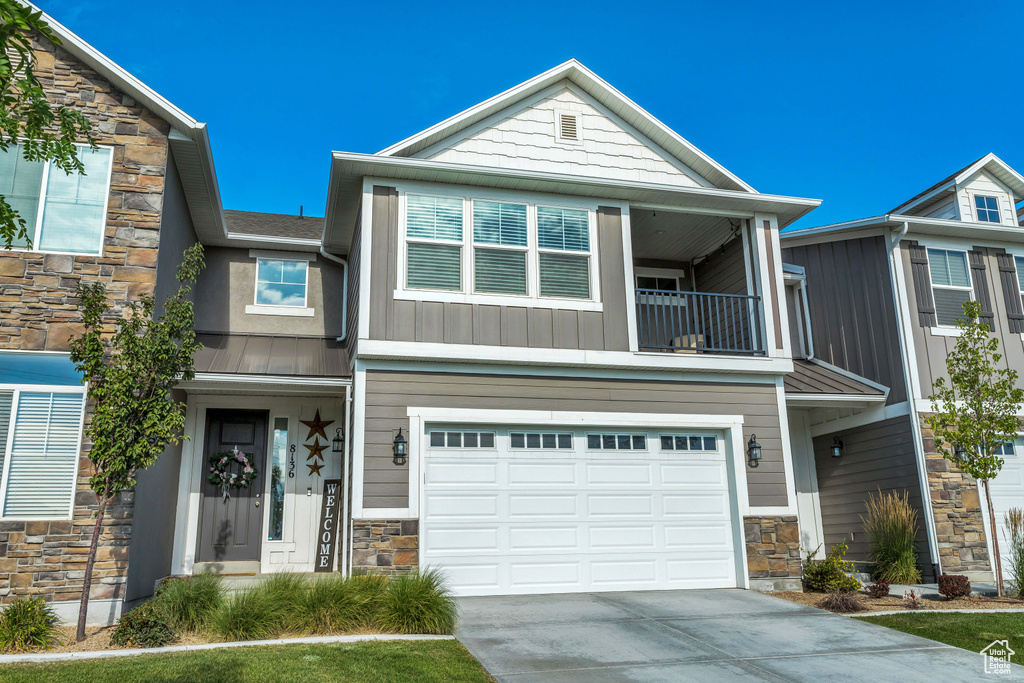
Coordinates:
281	282
62	212
476	246
987	208
951	284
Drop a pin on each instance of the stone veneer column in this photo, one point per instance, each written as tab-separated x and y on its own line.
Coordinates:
773	552
956	505
385	546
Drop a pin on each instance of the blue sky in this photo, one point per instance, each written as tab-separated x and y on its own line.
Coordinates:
861	108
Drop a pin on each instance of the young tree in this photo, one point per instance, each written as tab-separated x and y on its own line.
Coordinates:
130	374
976	412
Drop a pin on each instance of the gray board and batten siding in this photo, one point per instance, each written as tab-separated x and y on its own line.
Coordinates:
390	393
876	457
994	281
493	325
852	309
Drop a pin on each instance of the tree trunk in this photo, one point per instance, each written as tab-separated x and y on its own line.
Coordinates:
83	608
995	540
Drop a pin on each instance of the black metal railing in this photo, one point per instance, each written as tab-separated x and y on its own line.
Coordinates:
698	322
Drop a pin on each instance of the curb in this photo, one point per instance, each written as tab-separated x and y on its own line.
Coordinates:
102	654
1018	610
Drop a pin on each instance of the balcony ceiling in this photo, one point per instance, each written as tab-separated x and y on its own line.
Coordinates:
676	236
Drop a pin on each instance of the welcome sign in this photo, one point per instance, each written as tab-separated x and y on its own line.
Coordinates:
327	537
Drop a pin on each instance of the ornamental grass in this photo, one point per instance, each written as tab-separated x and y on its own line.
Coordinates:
1013	559
891	525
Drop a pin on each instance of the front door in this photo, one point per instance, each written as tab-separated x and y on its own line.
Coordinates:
230	528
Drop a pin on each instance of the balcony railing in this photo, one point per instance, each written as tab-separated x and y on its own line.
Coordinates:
698	322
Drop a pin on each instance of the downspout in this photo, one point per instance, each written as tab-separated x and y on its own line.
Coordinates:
915	426
807	319
344	289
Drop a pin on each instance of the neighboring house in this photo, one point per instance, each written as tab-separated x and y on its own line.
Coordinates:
881	299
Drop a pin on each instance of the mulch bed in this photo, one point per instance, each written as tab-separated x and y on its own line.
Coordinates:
895	602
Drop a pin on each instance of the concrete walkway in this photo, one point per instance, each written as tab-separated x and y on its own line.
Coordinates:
713	635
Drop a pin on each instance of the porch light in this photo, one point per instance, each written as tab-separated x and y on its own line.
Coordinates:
338	441
837	447
959	453
753	450
401	449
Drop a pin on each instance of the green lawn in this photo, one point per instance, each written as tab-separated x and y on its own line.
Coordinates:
371	662
962	629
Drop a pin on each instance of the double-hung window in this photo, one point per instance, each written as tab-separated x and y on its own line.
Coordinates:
42	404
563	241
62	212
500	248
951	284
987	208
433	235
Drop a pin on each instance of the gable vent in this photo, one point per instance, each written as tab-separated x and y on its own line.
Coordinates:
568	127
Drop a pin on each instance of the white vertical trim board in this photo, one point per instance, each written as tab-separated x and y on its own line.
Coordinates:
627	258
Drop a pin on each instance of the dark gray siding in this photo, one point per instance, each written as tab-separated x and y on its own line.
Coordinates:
457	323
352	322
723	273
388	395
878	456
852	314
176	235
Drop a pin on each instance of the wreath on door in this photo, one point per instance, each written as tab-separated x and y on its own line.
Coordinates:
223	478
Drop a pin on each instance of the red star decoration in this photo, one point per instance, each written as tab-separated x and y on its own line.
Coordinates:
316	425
314	468
316	449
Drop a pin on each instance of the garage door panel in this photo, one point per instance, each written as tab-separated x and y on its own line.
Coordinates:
1007	492
507	521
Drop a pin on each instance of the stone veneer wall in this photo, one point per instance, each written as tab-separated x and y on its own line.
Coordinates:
38	311
773	551
956	505
385	546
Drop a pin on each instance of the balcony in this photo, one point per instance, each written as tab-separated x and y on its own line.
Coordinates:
698	322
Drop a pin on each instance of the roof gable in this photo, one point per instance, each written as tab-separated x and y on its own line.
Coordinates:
525	136
690	160
995	167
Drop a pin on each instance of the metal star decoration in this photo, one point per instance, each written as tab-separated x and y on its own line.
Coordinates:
315	468
316	449
316	425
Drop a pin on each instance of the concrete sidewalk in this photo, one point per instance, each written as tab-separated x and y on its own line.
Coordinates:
705	635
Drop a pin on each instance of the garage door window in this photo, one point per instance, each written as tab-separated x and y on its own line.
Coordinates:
541	441
445	439
617	442
686	442
1010	448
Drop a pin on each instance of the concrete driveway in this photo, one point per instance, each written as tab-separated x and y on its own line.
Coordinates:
706	635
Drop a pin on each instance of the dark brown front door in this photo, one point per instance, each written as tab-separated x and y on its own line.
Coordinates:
230	530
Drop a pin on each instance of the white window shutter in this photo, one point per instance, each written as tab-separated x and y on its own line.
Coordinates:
41	475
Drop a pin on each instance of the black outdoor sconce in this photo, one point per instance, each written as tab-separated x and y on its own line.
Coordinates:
338	441
401	449
959	454
753	451
837	447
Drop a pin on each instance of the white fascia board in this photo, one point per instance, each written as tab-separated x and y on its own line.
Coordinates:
1013	180
832	400
850	375
565	418
375	349
879	221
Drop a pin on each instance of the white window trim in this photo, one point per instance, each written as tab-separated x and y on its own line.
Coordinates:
530	292
972	196
940	329
256	308
542	432
37	231
645	449
697	451
429	430
533	300
17	390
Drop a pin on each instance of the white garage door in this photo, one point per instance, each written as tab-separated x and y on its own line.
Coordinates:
1007	492
524	510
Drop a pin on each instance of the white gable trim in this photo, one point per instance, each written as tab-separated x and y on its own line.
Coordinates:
601	91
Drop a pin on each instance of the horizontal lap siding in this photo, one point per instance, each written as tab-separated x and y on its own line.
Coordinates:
389	394
490	325
878	456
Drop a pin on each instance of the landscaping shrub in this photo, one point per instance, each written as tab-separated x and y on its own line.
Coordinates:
252	613
418	603
911	600
891	525
1013	558
334	604
28	624
831	574
842	602
954	586
189	602
144	626
878	589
